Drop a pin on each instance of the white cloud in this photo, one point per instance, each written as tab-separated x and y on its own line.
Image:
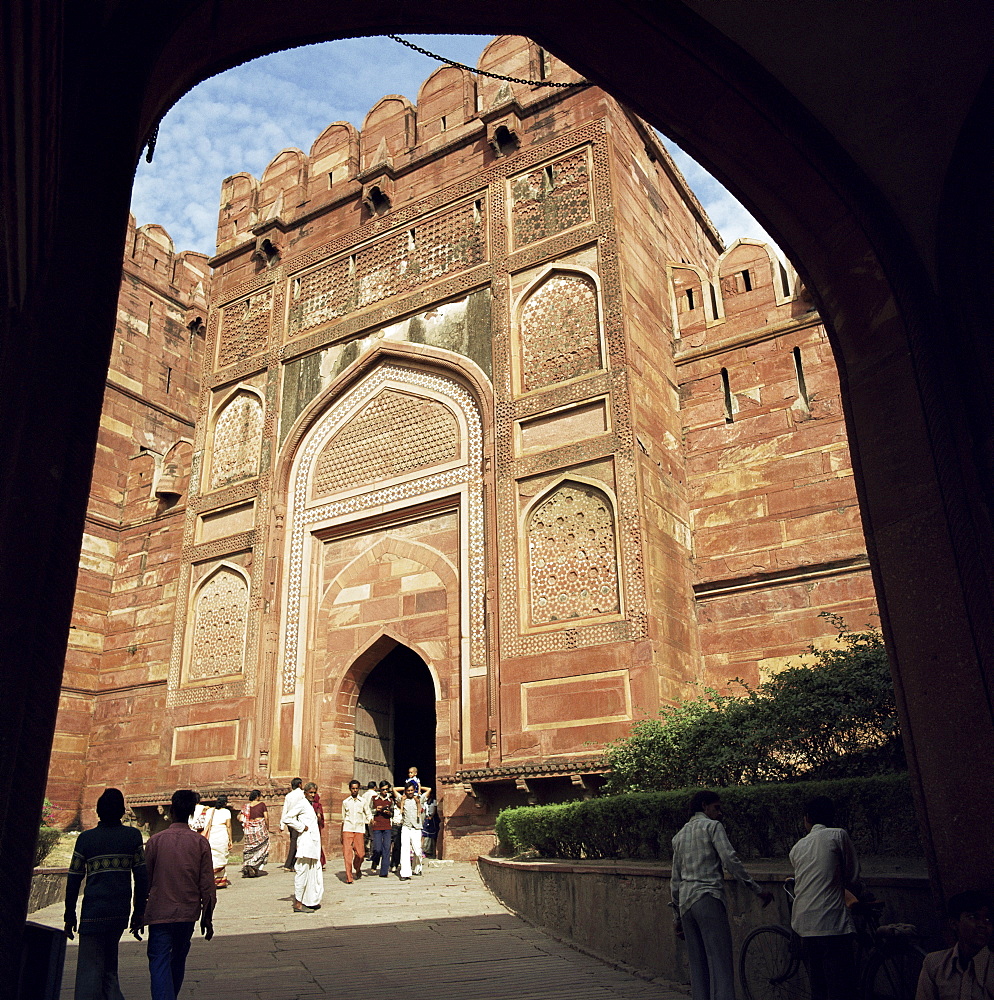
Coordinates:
239	120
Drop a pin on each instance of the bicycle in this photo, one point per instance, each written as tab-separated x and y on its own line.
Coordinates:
888	960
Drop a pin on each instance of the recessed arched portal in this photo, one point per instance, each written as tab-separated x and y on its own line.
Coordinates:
395	720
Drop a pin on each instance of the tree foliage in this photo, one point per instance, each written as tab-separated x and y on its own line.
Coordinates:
834	719
48	836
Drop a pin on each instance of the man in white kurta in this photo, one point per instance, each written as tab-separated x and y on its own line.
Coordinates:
308	879
294	796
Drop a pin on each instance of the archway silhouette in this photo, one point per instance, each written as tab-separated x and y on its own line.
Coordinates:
395	720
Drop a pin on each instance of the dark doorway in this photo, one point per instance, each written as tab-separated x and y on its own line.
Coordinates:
395	720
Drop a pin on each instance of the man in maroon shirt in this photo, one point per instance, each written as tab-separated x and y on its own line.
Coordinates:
181	890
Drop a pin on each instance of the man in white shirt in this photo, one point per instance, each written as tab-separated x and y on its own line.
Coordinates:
697	886
355	816
825	866
293	798
965	971
308	880
412	813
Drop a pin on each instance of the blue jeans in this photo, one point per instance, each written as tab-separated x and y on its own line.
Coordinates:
381	846
709	947
168	946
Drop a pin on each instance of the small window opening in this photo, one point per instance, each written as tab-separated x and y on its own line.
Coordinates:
155	263
477	212
549	181
296	288
784	281
726	390
714	301
690	298
412	243
149	325
331	178
504	141
802	386
378	202
747	281
169	379
234	226
270	252
352	267
443	124
543	64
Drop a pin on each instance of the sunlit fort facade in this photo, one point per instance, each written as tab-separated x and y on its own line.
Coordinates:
471	446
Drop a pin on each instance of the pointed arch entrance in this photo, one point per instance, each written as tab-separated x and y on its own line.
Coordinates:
395	720
384	550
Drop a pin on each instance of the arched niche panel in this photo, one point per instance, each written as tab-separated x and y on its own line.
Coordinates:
508	55
237	440
394	434
572	555
559	330
220	609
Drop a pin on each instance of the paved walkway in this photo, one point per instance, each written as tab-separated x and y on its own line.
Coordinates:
442	936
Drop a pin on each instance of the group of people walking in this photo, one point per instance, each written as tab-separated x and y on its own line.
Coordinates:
391	819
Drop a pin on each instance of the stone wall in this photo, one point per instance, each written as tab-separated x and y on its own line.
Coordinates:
620	911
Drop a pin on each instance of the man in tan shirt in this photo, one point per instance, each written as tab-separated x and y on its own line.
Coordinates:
355	816
181	891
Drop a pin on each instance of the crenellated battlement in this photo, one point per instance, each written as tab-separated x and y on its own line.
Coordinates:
748	288
151	256
454	107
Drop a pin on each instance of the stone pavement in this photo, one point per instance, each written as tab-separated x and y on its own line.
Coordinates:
441	936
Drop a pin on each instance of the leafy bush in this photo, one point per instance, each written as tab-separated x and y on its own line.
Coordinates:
762	820
48	836
835	719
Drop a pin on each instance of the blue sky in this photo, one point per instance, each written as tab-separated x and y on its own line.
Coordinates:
241	119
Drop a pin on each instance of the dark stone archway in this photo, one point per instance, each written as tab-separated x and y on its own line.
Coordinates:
84	82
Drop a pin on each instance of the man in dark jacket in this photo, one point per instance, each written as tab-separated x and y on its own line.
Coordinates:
109	856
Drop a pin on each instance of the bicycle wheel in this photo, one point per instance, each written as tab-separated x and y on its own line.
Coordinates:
770	966
892	973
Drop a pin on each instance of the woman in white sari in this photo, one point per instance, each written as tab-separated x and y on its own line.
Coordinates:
217	830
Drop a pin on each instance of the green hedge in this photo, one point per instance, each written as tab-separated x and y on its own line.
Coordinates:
761	820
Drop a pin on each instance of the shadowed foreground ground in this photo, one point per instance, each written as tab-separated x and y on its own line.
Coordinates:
442	936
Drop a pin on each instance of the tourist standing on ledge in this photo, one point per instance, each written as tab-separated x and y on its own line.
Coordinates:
295	795
109	856
181	891
967	969
355	816
698	889
825	866
412	813
308	881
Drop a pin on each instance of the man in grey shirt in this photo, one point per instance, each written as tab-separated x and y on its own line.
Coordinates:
697	886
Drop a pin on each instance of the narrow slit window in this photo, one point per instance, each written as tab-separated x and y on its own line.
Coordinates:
726	391
543	64
714	301
690	298
802	386
149	325
331	178
412	243
169	379
747	281
444	124
549	184
477	212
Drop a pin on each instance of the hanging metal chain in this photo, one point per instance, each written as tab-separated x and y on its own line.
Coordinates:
483	72
152	139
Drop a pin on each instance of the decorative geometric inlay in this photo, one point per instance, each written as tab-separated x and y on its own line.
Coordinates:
560	331
302	516
572	559
219	627
549	199
237	440
245	328
396	433
442	244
